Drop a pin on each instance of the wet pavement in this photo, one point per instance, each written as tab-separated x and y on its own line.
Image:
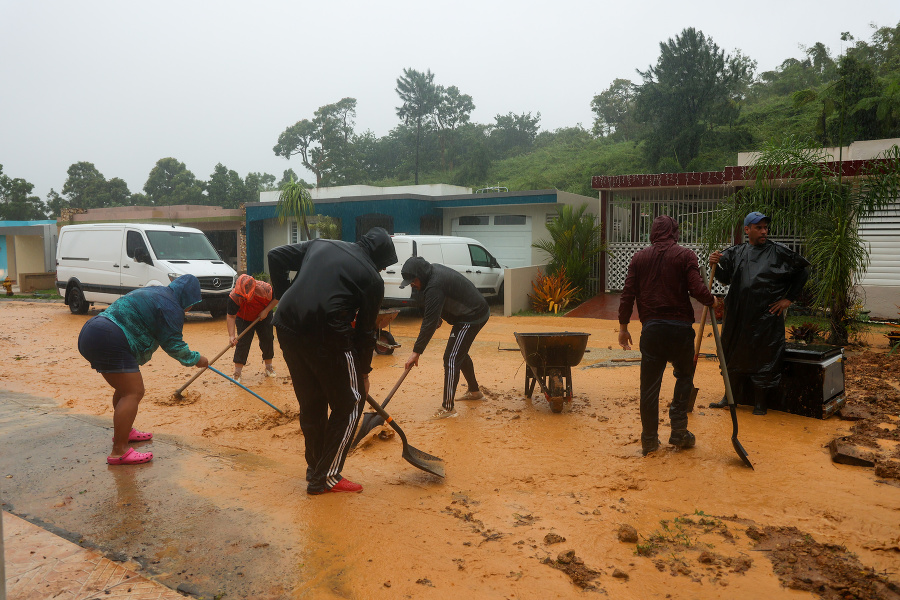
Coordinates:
153	516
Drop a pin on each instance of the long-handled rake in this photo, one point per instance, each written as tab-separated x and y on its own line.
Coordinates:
248	329
215	370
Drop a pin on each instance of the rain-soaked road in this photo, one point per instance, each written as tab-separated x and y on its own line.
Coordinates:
53	474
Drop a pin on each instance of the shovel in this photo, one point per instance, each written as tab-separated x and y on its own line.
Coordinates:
693	397
370	420
734	441
417	458
218	356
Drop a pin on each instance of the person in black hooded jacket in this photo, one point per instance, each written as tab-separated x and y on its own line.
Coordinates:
326	329
447	295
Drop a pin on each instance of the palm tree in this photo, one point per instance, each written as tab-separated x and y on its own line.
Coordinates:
294	201
803	189
420	97
574	243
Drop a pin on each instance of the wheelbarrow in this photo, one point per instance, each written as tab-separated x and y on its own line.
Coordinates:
386	342
549	358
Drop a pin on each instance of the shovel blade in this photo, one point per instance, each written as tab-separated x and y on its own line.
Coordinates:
368	422
692	399
423	460
741	452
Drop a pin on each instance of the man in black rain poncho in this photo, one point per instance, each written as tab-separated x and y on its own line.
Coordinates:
328	355
450	297
765	278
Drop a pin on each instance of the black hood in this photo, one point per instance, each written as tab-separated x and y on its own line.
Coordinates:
415	266
380	247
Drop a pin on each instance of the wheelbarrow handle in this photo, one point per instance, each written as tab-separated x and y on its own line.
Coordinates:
538	379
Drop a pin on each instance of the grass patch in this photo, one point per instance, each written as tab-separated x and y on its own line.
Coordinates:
51	294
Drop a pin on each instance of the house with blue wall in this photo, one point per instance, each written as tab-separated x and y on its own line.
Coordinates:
506	223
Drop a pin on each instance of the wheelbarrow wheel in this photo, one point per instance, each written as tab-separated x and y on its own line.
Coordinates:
557	392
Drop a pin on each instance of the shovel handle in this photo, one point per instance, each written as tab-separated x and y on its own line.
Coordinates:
699	340
396	386
219	355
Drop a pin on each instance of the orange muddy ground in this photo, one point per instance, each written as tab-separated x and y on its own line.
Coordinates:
534	503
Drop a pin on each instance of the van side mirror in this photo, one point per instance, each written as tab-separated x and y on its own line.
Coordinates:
142	256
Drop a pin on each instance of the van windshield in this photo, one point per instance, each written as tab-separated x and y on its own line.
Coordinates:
181	245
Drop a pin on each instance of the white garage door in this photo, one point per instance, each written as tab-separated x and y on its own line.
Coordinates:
508	237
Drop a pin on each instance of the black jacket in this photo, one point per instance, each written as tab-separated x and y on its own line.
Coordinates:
446	295
336	283
752	337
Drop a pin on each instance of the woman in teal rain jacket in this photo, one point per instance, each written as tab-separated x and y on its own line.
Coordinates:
123	337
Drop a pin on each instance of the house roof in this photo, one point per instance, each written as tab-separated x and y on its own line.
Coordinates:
729	177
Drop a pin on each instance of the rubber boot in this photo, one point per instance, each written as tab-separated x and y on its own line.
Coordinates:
723	403
649	444
682	438
760	396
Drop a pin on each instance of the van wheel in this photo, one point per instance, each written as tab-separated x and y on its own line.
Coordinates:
218	313
77	304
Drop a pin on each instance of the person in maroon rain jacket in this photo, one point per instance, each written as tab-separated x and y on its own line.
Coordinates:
661	278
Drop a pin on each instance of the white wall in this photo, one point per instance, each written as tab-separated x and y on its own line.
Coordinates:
29	254
517	285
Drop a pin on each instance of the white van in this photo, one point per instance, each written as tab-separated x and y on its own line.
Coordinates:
465	255
102	262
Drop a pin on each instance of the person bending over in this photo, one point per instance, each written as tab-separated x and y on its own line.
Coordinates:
248	300
448	296
123	337
325	325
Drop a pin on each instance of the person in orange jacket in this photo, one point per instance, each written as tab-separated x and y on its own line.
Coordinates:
248	300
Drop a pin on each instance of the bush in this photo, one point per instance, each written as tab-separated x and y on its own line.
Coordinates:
552	293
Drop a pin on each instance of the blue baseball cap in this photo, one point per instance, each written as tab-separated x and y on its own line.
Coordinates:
754	217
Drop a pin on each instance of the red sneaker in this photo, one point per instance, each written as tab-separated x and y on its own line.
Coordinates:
345	485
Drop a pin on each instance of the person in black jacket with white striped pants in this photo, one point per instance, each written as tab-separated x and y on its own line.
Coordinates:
448	296
326	329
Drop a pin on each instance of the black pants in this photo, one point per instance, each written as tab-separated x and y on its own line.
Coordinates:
663	343
456	359
263	330
324	379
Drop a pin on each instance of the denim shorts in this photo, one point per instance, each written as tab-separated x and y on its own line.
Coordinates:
105	346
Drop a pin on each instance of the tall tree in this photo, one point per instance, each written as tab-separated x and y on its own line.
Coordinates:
614	108
693	88
452	110
170	182
419	96
85	186
17	203
514	134
325	143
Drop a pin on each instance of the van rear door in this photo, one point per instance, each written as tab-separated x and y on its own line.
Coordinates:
94	258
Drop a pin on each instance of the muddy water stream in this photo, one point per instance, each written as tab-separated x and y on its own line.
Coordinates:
223	504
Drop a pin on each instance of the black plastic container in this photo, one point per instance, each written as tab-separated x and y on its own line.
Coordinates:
812	380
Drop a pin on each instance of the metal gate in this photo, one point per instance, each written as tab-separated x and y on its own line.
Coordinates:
630	215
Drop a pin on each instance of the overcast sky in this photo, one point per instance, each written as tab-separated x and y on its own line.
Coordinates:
122	84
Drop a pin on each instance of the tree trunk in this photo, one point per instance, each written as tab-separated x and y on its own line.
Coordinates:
418	129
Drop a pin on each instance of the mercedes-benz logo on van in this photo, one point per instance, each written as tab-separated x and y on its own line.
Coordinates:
216	282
